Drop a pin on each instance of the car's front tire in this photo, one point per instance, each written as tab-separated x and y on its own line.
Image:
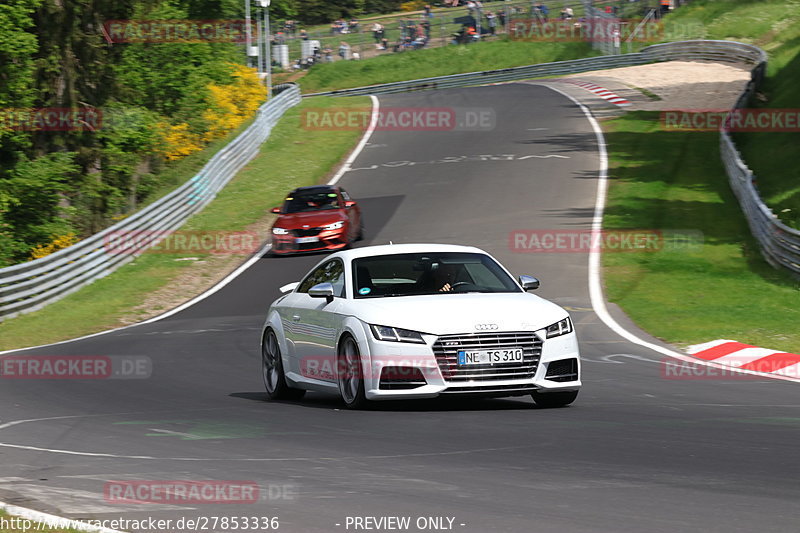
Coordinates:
554	399
350	374
272	370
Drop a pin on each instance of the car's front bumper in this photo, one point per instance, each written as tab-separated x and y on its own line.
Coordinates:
401	362
329	240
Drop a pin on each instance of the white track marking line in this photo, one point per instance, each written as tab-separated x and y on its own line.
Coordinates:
373	123
236	273
744	356
697	348
254	459
595	285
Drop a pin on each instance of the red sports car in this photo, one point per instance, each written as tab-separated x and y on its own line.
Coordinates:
322	217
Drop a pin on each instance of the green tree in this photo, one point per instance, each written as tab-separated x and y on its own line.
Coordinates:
32	199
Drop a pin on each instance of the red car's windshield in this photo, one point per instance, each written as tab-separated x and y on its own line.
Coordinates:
311	201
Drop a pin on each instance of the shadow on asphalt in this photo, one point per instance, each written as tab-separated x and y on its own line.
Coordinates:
313	400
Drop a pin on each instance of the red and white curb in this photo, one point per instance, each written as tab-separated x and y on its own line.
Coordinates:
747	357
602	92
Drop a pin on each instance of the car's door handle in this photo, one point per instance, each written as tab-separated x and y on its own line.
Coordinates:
295	317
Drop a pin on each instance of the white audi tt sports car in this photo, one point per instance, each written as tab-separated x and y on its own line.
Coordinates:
418	321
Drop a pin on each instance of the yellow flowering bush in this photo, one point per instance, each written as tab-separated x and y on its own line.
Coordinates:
226	108
230	105
415	5
177	140
59	242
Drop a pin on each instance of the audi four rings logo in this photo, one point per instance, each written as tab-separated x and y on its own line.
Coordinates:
485	327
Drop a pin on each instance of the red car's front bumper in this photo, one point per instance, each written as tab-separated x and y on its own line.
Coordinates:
326	240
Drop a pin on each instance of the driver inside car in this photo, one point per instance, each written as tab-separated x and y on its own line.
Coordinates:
443	277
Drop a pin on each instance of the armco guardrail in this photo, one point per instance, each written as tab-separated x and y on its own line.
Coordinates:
30	286
728	51
780	244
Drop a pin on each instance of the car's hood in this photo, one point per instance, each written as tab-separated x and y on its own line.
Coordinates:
460	313
312	219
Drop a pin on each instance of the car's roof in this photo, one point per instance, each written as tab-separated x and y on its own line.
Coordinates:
389	249
315	188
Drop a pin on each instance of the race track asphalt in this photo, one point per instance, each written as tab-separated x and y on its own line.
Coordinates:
635	453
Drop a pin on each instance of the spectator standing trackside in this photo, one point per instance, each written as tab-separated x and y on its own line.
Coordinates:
491	20
377	32
502	17
428	13
426	29
344	50
304	35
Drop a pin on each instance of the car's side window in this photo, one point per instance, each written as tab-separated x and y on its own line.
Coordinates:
330	272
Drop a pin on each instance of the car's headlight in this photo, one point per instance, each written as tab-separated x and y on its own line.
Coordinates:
386	333
562	327
280	231
335	225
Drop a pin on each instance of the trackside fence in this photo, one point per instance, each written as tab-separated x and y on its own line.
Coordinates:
779	243
728	51
30	286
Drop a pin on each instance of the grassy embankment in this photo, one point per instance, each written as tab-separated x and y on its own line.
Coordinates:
675	180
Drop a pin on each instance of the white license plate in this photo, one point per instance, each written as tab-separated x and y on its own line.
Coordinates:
303	240
483	357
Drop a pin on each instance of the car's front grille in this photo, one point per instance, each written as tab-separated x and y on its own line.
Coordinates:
446	350
511	390
306	232
562	370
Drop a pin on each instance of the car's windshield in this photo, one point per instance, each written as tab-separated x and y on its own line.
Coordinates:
428	273
314	200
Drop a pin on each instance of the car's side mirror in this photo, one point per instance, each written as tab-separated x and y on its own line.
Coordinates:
529	283
322	290
349	203
276	210
289	287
